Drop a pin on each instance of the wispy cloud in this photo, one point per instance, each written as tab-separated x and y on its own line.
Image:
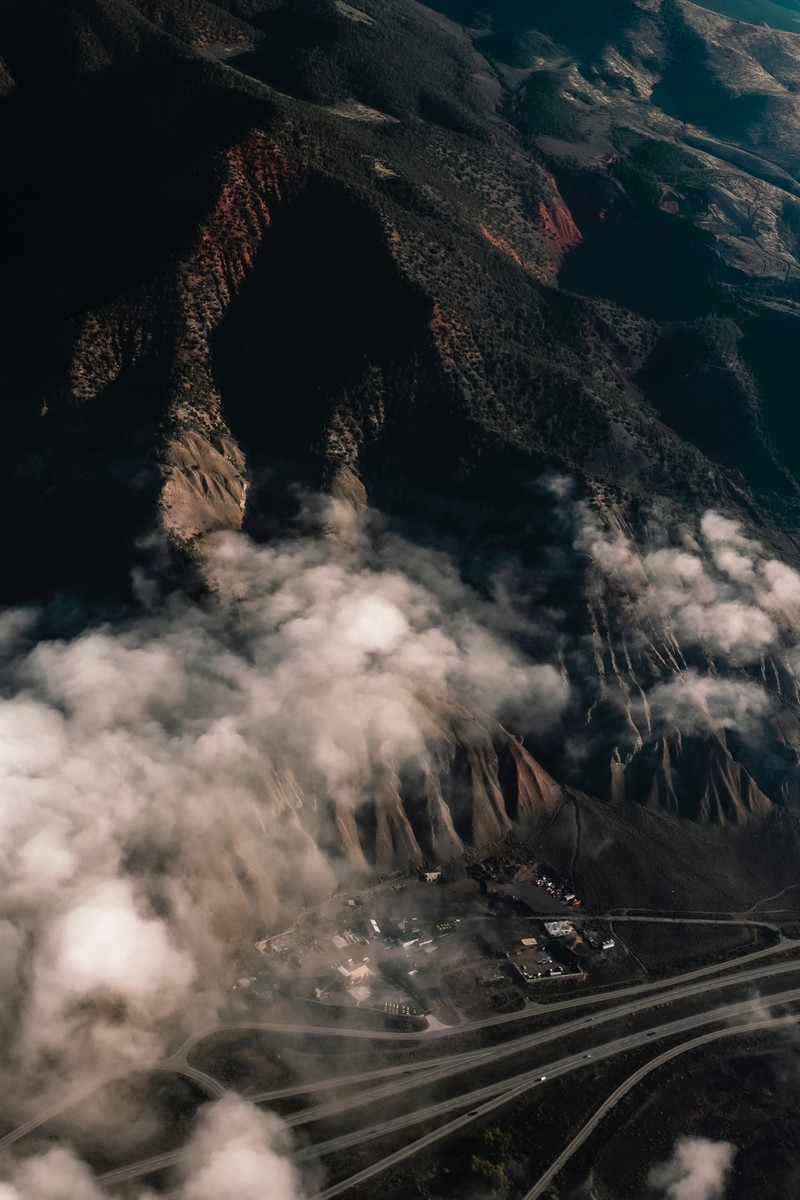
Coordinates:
702	607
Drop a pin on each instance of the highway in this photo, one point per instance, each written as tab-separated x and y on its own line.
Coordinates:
447	1066
650	999
210	1085
555	1167
478	1101
513	1089
470	1058
399	1079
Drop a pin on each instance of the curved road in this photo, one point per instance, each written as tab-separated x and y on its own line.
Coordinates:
623	1089
212	1086
660	991
525	1014
651	994
445	1066
515	1088
479	1100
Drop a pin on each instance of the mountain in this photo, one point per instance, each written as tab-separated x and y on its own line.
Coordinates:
523	277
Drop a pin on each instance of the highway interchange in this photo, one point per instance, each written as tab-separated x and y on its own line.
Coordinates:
403	1085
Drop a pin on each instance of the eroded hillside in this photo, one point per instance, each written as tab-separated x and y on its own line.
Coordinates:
526	282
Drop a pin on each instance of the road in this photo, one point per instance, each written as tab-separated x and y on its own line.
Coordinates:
716	977
666	992
446	1067
210	1085
513	1089
547	1178
734	923
525	1014
720	975
478	1101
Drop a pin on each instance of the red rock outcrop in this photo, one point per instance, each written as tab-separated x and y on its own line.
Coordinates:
506	248
559	226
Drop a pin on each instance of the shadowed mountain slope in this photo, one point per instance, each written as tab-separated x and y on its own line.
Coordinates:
421	260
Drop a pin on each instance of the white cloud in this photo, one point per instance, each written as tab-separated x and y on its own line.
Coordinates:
240	1153
782	593
55	1175
741	632
718	529
236	1152
736	566
690	597
162	784
104	946
698	1170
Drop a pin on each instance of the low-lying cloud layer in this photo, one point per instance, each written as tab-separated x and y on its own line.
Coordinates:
697	1170
716	590
240	1153
706	608
236	1152
162	785
166	786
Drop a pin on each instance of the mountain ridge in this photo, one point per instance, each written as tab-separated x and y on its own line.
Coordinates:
443	287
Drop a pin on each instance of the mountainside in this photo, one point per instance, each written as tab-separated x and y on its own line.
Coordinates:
522	277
